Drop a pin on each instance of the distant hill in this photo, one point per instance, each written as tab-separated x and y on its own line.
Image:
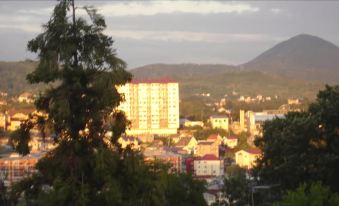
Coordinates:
180	71
219	80
298	66
300	57
13	76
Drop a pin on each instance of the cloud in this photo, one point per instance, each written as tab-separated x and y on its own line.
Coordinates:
167	7
187	36
276	10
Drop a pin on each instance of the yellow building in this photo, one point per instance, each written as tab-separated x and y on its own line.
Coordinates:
133	142
151	106
219	121
189	144
207	147
230	141
247	158
16	120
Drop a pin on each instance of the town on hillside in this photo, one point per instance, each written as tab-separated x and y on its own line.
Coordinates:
207	148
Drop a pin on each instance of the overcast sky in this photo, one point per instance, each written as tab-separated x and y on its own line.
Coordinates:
146	32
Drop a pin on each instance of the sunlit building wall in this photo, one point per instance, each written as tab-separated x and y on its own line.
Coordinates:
152	106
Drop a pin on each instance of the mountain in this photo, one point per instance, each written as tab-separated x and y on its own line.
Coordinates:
301	57
219	80
13	76
179	71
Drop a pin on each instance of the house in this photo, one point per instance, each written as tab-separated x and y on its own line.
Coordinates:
38	143
133	142
207	166
16	120
189	123
247	158
188	144
207	147
26	97
230	141
219	122
215	138
166	156
14	167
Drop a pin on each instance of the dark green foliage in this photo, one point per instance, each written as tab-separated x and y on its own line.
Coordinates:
182	190
236	190
303	147
88	167
315	194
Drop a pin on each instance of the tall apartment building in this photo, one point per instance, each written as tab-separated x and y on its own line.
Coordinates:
152	106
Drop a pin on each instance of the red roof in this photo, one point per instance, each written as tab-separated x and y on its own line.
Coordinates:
254	151
150	81
207	157
205	143
231	137
212	137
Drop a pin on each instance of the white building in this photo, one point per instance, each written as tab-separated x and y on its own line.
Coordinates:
152	106
208	166
219	121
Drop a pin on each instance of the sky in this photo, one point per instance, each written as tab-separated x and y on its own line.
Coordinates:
203	32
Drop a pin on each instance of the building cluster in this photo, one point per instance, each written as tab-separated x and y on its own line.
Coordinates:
258	98
152	107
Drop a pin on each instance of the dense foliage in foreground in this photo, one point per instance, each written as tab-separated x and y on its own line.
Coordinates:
302	147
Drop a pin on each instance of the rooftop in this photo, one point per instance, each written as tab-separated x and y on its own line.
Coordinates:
207	157
152	81
254	151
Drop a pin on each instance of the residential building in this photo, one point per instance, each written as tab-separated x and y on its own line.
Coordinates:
189	123
215	138
231	141
188	144
152	106
26	97
15	167
207	147
247	158
16	120
208	166
133	142
166	156
219	121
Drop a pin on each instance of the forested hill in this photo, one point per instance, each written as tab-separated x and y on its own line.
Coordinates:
180	71
13	76
301	57
220	80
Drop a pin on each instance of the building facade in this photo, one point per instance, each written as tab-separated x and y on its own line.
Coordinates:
208	166
207	147
152	106
14	167
247	158
219	121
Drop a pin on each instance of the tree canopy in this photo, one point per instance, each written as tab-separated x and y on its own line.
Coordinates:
302	147
314	194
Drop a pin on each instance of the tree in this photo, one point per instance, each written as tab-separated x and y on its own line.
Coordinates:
303	146
236	189
87	167
305	195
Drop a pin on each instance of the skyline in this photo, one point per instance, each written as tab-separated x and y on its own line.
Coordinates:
149	32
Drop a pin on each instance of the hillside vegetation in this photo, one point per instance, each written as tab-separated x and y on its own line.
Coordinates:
13	76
